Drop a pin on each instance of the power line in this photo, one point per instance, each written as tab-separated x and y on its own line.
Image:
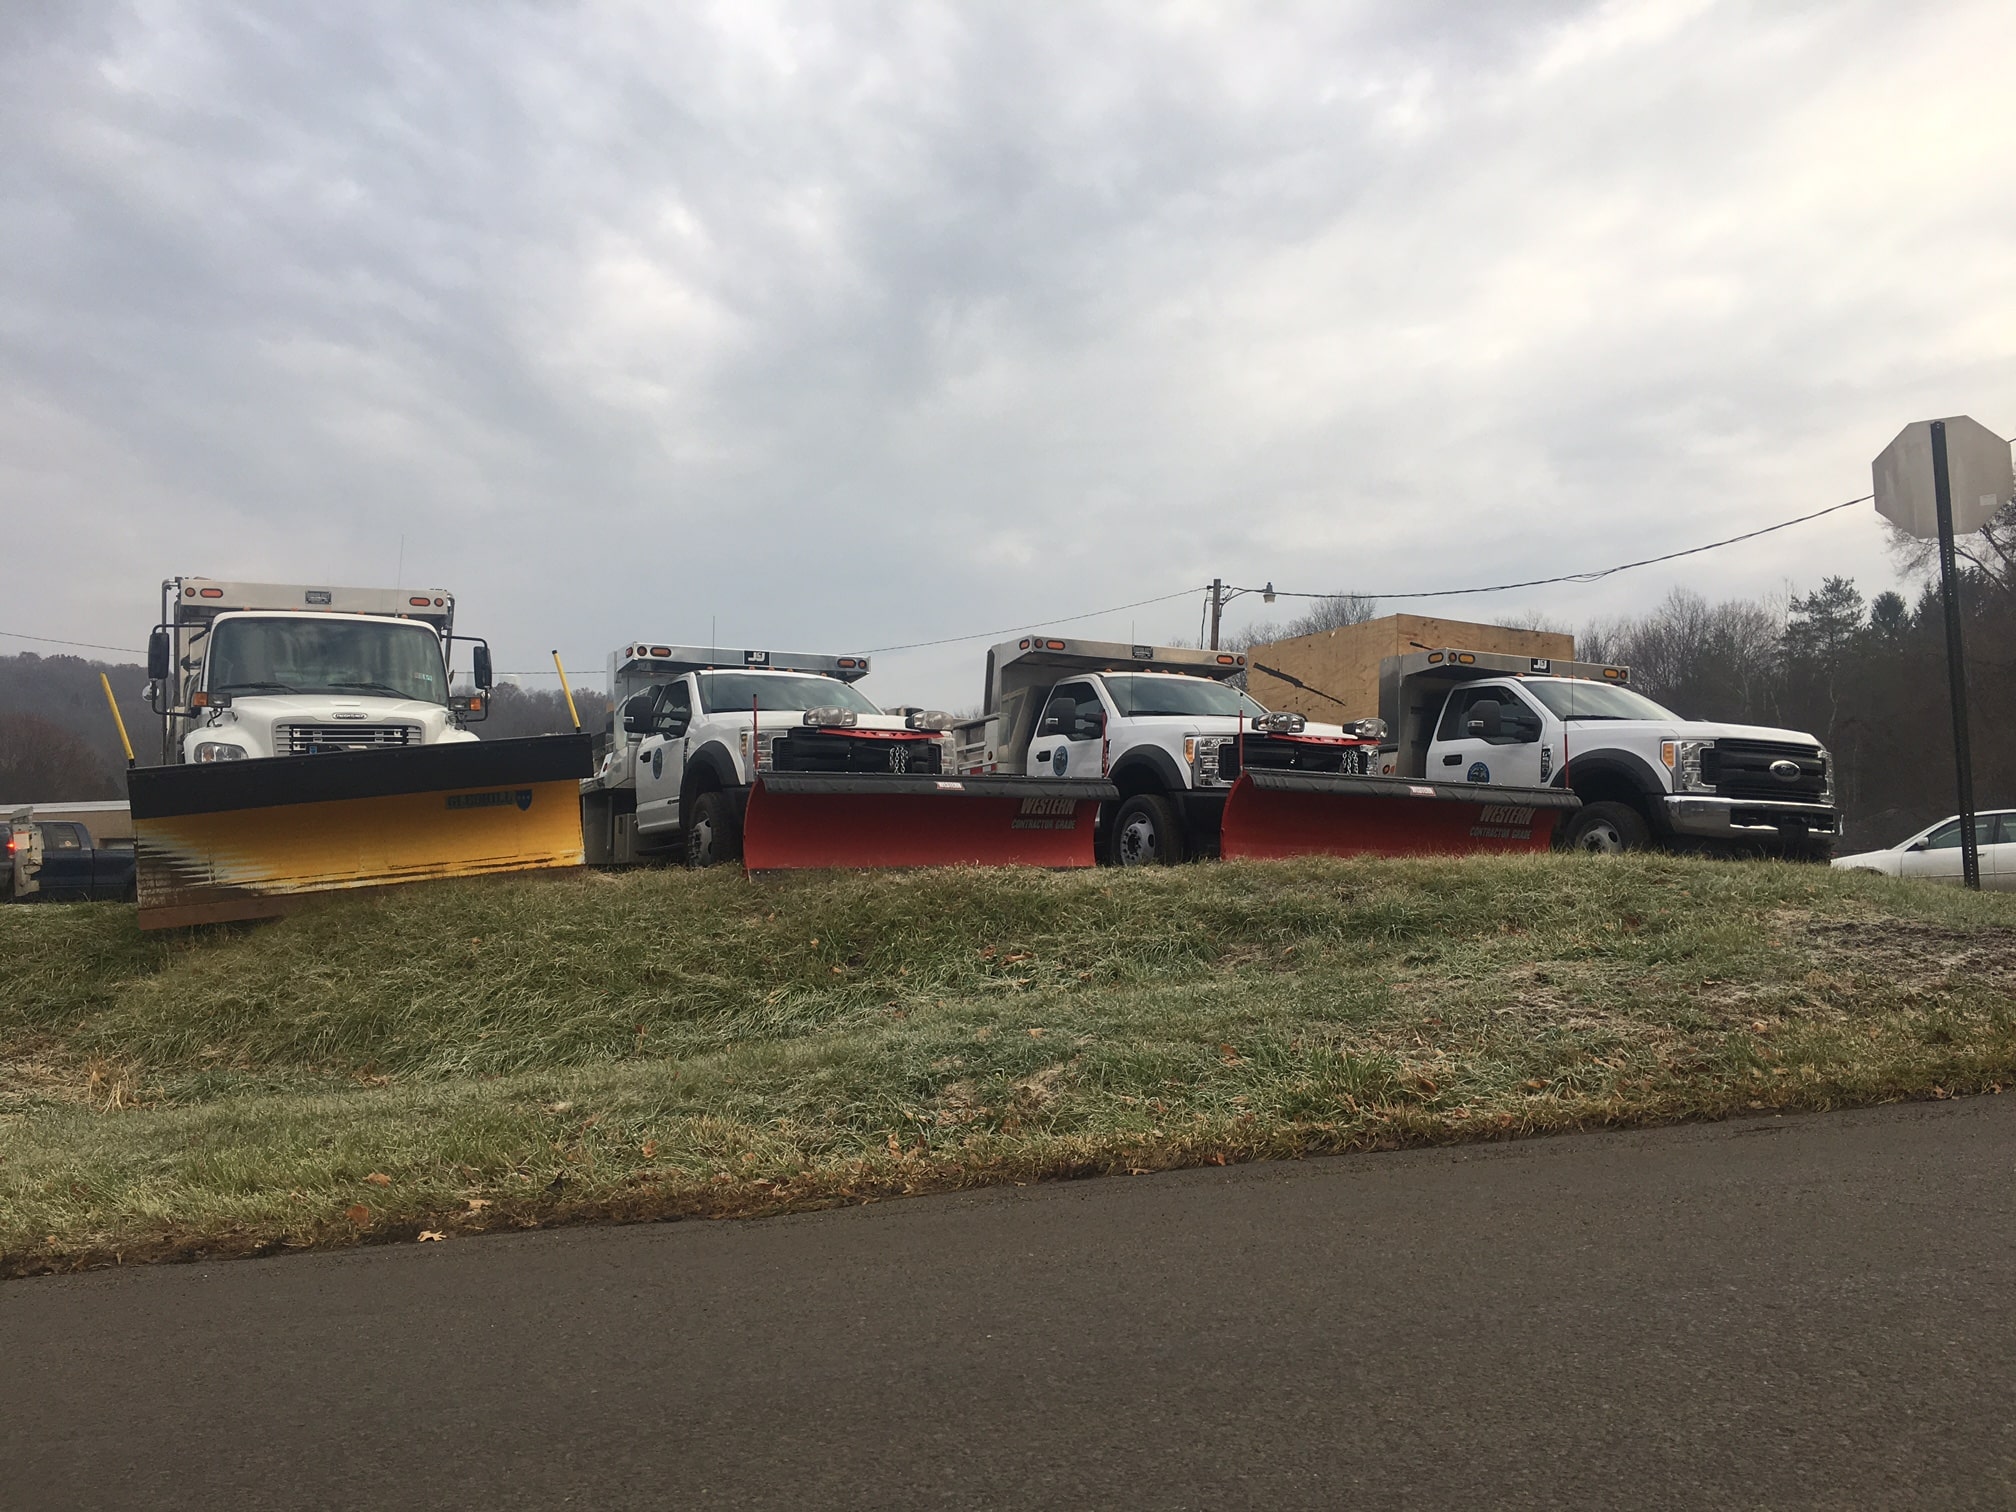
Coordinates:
1586	577
1055	619
50	640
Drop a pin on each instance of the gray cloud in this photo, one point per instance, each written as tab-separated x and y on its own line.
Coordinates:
862	325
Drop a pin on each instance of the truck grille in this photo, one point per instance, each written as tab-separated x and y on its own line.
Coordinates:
1742	769
313	739
1264	753
813	752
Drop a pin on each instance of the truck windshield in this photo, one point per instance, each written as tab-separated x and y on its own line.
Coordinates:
726	692
331	655
1594	700
1134	695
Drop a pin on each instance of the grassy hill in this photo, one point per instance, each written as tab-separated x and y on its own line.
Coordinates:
661	1043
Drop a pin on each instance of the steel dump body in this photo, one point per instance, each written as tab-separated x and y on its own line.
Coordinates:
1274	815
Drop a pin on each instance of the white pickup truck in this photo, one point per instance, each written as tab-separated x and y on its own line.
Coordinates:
1164	726
1646	777
693	727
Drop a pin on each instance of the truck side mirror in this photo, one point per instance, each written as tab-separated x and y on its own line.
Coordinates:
482	674
158	656
637	715
1487	720
1092	726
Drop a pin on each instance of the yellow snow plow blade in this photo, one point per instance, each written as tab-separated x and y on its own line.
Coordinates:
247	839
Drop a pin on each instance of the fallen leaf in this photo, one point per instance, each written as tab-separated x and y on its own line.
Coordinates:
560	1107
357	1213
895	1144
431	1236
988	953
1228	1055
650	1149
477	1204
379	1178
1035	1034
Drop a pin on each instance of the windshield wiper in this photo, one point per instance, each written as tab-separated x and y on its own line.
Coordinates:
261	687
377	687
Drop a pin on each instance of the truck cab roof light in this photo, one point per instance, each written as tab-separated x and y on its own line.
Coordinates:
1051	645
1227	661
418	602
661	650
213	593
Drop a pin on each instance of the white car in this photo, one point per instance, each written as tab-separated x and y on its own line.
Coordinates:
1934	853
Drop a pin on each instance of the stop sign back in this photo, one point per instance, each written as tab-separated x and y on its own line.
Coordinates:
1977	467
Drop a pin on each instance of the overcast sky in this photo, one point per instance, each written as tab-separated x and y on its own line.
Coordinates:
854	325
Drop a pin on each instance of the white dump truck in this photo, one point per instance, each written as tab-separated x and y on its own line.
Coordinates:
310	742
249	670
1645	776
1164	725
693	727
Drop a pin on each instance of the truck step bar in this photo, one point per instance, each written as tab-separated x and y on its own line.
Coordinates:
800	820
1272	815
248	839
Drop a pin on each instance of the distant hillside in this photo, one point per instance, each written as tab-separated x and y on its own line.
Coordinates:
64	691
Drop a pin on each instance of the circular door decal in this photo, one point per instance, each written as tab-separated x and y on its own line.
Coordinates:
658	762
1479	772
1061	760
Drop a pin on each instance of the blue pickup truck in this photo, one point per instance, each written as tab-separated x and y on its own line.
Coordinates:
56	860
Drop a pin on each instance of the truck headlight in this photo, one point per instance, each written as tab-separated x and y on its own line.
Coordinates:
1683	758
1202	753
1827	776
219	750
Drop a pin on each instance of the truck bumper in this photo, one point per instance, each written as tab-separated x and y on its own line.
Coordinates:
1740	820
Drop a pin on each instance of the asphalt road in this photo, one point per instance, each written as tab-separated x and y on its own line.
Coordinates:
1808	1312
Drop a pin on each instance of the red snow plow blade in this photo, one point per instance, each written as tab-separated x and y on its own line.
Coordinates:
800	820
1272	815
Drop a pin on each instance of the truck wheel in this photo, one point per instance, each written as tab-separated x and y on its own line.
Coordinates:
1606	829
713	832
1146	832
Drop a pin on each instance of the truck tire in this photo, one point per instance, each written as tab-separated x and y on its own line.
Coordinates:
1146	832
1606	829
713	831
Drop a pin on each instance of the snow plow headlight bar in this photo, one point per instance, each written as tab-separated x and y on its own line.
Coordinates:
1368	729
1283	723
219	750
928	719
831	718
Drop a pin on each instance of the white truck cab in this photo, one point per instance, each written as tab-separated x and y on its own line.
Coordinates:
1645	776
1164	725
692	728
252	670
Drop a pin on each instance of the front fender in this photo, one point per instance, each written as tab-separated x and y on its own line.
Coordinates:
1148	769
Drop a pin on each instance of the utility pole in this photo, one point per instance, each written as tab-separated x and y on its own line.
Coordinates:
1217	608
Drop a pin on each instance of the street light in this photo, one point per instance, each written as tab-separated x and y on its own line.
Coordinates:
1221	596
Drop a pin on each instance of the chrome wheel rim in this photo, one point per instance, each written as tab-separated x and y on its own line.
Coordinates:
1601	840
1139	844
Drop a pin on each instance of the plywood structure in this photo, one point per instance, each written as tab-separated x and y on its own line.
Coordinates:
1345	663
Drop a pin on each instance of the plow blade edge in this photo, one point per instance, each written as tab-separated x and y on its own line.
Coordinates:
798	820
1270	815
245	839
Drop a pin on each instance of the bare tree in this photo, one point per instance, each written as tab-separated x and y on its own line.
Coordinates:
41	762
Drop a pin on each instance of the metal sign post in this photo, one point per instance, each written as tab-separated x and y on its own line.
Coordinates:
1918	477
1956	665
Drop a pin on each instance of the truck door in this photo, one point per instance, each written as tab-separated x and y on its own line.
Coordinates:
661	758
65	861
1490	733
1070	733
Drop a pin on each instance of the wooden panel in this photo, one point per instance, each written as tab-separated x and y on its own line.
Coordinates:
1345	663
